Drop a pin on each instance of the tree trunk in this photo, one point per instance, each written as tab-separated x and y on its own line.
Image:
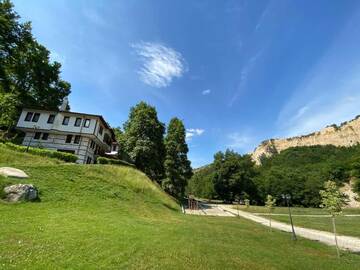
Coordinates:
270	219
336	243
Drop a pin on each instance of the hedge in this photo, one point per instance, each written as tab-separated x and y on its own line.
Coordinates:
67	157
103	160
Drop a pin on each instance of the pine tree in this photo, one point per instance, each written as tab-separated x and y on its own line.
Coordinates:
143	140
177	166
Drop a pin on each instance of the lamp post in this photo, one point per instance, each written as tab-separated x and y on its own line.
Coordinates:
287	198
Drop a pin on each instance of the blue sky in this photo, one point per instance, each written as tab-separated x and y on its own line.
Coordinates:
236	72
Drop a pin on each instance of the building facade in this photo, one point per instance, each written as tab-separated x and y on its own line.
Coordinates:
85	135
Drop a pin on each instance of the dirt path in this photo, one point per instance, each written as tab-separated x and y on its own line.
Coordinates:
344	242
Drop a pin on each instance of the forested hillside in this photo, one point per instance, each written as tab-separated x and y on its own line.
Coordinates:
299	171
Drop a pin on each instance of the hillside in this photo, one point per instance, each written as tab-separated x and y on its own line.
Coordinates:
346	134
107	217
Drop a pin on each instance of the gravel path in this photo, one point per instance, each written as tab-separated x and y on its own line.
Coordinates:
302	215
344	242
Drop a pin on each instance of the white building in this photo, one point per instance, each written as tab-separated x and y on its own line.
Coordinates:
85	135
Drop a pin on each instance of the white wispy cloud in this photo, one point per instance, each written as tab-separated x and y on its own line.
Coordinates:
329	92
322	114
206	92
244	74
192	132
262	17
160	63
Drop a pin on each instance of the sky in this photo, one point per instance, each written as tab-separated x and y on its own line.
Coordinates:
236	72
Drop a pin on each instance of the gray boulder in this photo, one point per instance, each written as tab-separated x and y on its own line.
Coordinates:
21	192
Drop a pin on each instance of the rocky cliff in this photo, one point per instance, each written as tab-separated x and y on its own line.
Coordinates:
346	134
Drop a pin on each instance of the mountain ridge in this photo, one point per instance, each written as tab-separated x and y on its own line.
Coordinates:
346	134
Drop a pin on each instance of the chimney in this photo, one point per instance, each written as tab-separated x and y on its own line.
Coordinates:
64	104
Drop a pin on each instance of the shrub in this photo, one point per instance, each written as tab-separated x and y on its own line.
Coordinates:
103	160
67	157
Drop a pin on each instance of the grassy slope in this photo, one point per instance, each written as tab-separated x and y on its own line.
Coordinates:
94	216
345	225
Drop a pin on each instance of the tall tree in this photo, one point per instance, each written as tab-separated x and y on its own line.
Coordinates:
177	166
143	140
25	67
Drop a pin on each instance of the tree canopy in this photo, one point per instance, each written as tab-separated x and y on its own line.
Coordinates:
143	140
26	71
233	175
299	171
177	166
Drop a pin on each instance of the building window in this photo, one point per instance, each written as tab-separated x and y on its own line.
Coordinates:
114	147
66	120
45	136
88	161
77	122
37	135
68	138
77	139
101	130
51	118
87	123
35	117
28	116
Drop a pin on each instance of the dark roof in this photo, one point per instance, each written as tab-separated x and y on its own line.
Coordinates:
77	113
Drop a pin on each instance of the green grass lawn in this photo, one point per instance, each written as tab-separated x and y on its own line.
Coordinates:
344	225
107	217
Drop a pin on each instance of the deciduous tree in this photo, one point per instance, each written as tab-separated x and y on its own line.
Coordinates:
270	204
8	110
25	67
143	140
333	201
233	175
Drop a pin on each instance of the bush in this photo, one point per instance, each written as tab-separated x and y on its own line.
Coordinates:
103	160
67	157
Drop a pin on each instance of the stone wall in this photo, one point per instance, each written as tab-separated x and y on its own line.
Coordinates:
346	134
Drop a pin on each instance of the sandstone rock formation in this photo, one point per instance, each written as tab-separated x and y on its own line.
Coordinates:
346	134
12	172
21	192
